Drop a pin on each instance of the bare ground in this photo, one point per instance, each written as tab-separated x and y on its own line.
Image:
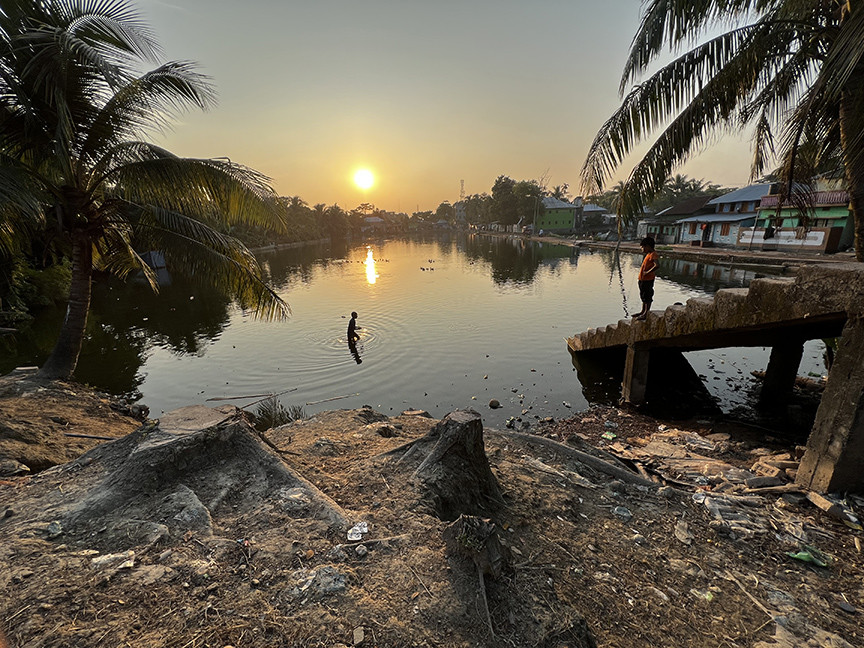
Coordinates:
232	546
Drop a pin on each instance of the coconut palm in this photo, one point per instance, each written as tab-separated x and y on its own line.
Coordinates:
792	70
73	114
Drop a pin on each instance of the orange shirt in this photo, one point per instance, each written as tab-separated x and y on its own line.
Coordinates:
650	261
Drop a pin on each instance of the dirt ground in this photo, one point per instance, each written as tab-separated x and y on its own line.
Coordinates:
37	419
224	541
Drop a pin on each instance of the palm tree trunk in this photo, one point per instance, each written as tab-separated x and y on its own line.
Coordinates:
63	359
854	169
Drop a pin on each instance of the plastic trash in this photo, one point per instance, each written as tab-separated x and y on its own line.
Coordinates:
358	531
811	555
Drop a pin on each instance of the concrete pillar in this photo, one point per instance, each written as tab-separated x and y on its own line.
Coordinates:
635	375
834	460
781	372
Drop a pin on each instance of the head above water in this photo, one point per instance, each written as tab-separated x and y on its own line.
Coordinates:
354	314
647	242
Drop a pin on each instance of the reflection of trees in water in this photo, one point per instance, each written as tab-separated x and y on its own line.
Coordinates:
126	320
516	260
281	268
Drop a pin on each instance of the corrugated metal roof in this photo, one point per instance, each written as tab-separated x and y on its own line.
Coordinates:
746	194
686	207
591	207
553	203
717	218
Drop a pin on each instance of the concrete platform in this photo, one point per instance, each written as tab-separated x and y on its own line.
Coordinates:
819	301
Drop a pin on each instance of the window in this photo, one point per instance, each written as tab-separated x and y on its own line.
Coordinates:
692	228
724	229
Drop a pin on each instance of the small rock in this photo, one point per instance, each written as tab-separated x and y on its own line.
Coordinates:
666	491
846	607
622	512
639	539
359	636
9	512
21	575
54	529
494	403
612	425
361	551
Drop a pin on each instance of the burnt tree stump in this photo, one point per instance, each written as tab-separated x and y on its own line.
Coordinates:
455	477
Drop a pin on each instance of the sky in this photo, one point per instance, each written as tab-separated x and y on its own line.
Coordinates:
423	94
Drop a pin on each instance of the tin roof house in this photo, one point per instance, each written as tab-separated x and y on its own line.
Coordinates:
731	213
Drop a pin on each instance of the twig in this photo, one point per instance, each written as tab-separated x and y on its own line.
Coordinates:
89	436
274	447
327	400
225	398
749	595
419	580
385	483
485	602
24	609
284	391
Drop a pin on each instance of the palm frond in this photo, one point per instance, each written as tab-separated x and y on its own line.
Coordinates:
217	192
207	256
701	87
145	103
670	22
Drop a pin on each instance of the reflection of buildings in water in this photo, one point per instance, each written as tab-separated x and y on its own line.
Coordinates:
706	275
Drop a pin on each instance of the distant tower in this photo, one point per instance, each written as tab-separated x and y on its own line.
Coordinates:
461	190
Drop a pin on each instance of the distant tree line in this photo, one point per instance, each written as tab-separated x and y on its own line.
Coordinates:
676	189
511	201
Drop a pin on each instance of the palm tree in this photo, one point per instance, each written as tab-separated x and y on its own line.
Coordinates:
792	70
72	114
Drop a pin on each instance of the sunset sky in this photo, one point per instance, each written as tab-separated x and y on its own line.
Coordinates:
423	94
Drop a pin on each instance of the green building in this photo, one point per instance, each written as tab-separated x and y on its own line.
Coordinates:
557	216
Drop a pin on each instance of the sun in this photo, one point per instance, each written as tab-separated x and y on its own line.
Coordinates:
364	179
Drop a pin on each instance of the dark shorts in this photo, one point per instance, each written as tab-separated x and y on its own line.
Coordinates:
646	290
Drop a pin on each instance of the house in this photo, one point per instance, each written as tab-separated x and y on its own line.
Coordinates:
373	225
663	227
731	213
812	220
596	218
558	216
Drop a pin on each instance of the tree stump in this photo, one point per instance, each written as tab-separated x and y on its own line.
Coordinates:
455	477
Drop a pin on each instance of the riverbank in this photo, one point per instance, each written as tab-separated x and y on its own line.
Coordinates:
779	260
318	534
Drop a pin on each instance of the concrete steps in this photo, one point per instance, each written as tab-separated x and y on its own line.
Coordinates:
765	302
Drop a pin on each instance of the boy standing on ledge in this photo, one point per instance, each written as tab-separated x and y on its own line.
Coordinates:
647	273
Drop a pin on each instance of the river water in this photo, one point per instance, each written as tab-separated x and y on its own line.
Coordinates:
445	323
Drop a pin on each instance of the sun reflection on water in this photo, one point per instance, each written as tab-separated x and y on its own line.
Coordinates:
371	275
